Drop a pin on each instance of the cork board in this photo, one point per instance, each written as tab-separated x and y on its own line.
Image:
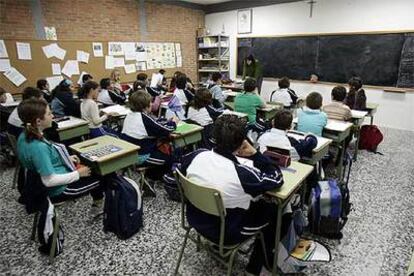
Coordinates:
41	67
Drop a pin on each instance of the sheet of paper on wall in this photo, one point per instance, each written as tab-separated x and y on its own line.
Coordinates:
130	68
50	33
141	65
109	62
128	48
3	49
97	49
4	65
59	52
130	56
70	68
179	61
14	76
53	50
56	70
54	81
141	56
115	49
119	62
23	51
80	77
82	56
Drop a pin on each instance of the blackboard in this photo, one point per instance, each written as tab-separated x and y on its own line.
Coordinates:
379	59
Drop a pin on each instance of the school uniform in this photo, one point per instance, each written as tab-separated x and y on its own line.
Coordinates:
356	100
14	124
278	138
204	117
108	97
311	120
238	185
51	161
337	111
248	103
63	104
46	95
141	129
218	96
284	95
184	95
90	113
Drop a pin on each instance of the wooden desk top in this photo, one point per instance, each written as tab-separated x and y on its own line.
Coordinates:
71	123
186	129
322	142
122	110
333	125
293	177
357	114
102	141
372	106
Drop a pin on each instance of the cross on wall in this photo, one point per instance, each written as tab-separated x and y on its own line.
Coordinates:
311	3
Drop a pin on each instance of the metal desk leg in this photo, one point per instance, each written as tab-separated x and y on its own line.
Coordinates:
341	159
357	134
277	237
372	119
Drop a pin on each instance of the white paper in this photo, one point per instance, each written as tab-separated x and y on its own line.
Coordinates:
48	50
50	33
53	50
70	68
4	65
120	109
3	49
54	81
130	56
119	62
130	68
56	70
82	56
14	76
97	49
179	61
141	56
80	77
109	62
115	49
141	65
23	51
128	48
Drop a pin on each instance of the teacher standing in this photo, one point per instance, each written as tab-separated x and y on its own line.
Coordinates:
252	68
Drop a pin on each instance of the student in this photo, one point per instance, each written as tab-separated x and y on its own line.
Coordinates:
356	98
173	81
284	94
51	161
86	78
115	78
277	137
156	80
218	96
142	83
201	111
311	118
337	110
90	111
181	91
141	129
63	103
43	86
248	101
239	185
108	95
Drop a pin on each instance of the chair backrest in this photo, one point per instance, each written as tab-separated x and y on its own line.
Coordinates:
205	199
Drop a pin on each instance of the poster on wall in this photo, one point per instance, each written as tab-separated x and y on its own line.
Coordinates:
50	33
97	49
244	21
115	49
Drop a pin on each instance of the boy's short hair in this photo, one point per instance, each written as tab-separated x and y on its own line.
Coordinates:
162	71
216	76
355	82
142	77
86	77
202	98
314	100
229	132
105	83
31	92
139	100
284	82
139	84
283	120
181	81
250	84
338	93
40	84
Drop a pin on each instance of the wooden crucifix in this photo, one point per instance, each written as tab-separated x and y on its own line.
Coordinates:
311	3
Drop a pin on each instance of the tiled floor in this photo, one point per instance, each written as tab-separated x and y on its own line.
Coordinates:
378	239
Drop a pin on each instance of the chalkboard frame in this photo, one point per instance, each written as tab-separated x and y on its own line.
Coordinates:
385	88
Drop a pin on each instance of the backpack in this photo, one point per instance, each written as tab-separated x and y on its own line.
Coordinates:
330	205
123	207
370	137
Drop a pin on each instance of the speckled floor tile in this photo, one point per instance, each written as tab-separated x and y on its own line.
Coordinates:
378	238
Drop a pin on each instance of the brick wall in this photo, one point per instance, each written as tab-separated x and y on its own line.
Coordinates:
107	20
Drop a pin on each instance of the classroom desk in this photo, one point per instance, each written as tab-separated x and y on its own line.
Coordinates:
357	119
72	128
318	153
230	95
269	111
121	110
125	156
372	109
236	87
294	177
238	114
188	134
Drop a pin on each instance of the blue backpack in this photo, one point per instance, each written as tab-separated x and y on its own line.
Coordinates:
123	207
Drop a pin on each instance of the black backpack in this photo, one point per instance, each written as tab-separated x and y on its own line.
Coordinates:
123	207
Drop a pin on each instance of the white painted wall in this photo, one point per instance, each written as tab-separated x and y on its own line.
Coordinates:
329	16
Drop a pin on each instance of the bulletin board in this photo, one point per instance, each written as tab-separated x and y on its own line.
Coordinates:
41	67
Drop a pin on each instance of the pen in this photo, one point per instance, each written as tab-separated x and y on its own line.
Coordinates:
87	146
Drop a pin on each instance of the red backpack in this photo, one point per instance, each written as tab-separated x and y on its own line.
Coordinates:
370	137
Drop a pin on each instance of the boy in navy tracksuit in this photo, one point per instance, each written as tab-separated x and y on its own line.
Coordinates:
239	185
141	129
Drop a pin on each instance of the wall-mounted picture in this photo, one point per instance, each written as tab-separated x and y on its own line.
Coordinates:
244	21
